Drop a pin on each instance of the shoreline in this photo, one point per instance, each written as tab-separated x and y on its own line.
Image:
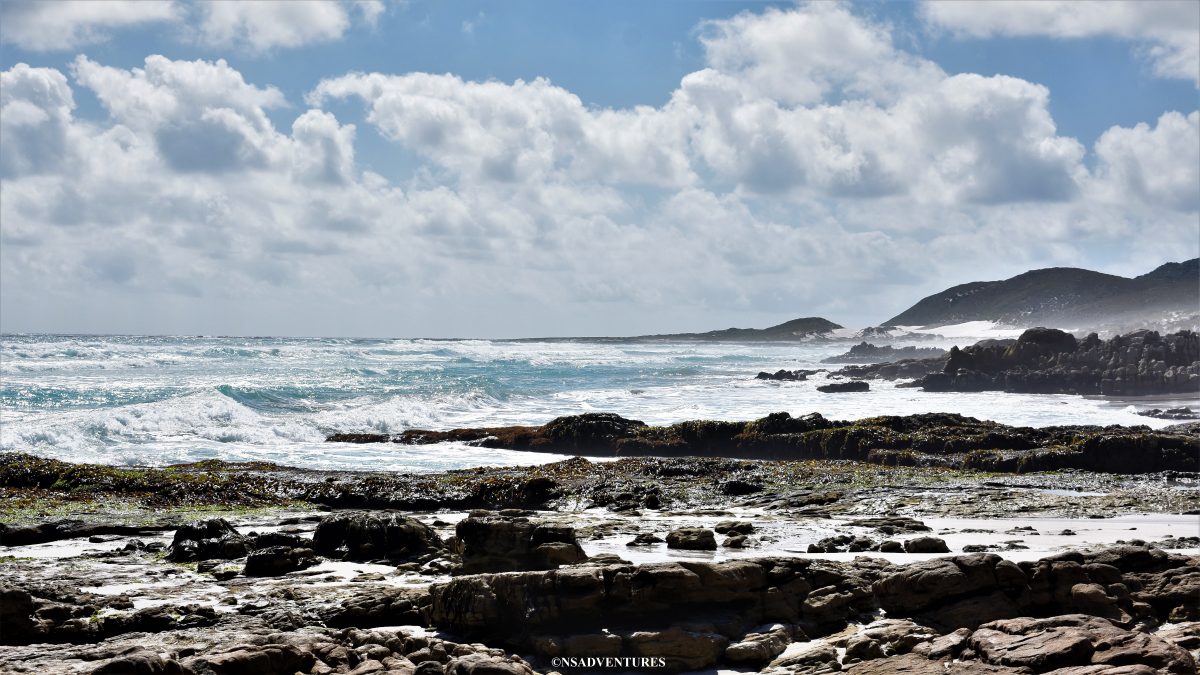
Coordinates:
131	601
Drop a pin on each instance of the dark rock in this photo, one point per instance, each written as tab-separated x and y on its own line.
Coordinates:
646	539
138	661
842	387
1184	413
926	545
1048	361
737	488
373	535
865	352
786	375
493	543
278	560
1074	640
734	527
266	659
928	439
207	539
55	530
357	438
692	539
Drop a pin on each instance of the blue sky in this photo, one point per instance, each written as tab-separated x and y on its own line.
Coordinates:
725	163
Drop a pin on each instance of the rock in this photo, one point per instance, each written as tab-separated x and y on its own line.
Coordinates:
267	659
758	648
1183	413
785	375
807	657
843	387
139	661
841	544
485	664
66	528
493	543
646	539
912	664
736	541
734	527
892	524
207	539
374	535
957	592
927	439
926	545
692	539
1050	361
682	649
1074	640
737	488
865	352
278	560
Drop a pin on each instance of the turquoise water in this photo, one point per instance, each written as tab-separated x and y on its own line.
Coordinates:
159	400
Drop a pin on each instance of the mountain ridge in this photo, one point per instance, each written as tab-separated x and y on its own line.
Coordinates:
1062	295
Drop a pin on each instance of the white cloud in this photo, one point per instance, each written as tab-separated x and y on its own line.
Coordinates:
68	24
202	115
745	198
526	131
802	57
35	109
1166	30
1157	165
253	26
262	25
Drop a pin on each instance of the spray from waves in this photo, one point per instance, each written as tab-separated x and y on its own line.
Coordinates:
157	400
226	423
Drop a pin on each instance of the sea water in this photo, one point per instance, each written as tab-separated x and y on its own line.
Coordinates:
163	400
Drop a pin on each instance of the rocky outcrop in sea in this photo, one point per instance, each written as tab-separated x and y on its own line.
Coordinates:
865	352
932	439
1050	361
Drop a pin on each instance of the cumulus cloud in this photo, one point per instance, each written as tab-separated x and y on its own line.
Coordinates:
1165	30
253	26
816	101
746	197
262	25
1157	165
67	24
36	108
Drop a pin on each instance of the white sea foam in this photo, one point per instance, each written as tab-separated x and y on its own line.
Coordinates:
164	400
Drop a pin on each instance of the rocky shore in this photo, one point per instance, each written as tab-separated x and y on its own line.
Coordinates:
928	440
865	352
1049	361
697	563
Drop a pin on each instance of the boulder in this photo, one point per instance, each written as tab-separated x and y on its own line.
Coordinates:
275	561
495	543
681	649
692	539
926	545
139	661
1074	640
957	592
844	387
734	527
374	535
208	539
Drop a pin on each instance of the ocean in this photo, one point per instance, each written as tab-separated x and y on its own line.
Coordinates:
163	400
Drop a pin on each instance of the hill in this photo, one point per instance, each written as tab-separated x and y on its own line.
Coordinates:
1065	297
796	329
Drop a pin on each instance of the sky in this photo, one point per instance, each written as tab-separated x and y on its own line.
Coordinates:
519	168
